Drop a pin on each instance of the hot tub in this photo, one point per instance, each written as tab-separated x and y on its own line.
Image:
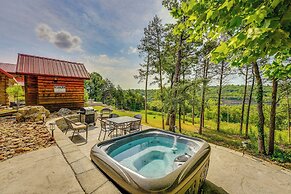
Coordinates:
154	161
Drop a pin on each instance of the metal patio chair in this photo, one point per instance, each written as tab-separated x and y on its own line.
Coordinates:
104	113
125	128
113	115
136	126
76	126
106	128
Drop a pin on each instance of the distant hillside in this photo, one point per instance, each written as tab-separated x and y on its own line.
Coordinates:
231	94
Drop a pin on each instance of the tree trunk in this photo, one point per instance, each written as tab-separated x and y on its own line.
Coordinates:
288	116
168	119
249	106
205	71
219	96
193	105
162	99
146	92
193	116
180	114
171	87
273	117
175	85
243	102
161	84
184	113
261	138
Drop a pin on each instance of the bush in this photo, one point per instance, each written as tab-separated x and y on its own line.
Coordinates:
86	95
15	92
155	105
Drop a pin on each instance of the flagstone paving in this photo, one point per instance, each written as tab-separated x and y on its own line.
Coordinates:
66	168
41	171
229	171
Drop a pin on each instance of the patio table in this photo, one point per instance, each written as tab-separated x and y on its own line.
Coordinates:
121	121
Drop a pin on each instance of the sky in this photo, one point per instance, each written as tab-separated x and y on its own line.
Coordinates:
101	34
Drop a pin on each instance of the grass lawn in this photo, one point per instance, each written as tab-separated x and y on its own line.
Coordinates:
228	136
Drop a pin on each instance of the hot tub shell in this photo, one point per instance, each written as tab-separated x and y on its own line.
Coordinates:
188	178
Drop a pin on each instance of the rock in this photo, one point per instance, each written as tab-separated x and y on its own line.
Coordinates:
30	144
8	139
32	114
19	150
13	146
64	111
26	149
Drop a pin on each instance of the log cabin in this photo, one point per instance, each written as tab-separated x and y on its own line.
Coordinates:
6	80
52	83
11	69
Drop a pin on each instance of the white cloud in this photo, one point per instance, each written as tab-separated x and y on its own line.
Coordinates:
165	15
132	50
119	70
61	39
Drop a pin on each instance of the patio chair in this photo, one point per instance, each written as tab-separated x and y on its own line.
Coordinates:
131	127
112	115
138	116
105	127
105	113
136	125
125	127
76	126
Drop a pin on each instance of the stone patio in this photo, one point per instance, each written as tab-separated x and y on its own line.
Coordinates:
67	168
41	171
229	171
88	175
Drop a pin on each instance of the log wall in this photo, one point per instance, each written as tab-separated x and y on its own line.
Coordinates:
3	85
31	97
73	98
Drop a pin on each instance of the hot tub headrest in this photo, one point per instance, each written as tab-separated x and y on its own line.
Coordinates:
182	158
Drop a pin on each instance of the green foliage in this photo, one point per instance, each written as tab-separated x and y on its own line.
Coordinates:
257	29
281	155
15	91
95	86
155	105
133	100
231	105
86	95
277	71
103	90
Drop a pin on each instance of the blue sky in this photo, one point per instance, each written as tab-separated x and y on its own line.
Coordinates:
102	34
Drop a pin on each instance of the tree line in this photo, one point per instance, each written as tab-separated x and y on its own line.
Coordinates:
103	90
217	40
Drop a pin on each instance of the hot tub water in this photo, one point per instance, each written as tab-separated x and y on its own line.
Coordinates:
152	157
154	161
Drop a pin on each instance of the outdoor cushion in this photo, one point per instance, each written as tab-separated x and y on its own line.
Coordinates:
79	125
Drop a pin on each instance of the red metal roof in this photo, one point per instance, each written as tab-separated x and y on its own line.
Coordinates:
7	74
35	65
20	80
8	67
